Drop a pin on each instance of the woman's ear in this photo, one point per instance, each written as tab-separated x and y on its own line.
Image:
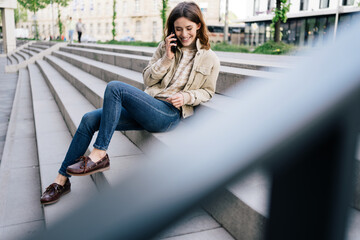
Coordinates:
198	26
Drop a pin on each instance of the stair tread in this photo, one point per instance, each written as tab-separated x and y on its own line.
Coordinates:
49	162
19	170
225	69
136	76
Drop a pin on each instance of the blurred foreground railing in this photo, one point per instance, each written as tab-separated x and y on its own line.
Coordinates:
302	127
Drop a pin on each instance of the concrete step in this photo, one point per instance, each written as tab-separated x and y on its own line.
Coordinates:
21	215
128	61
8	83
106	72
141	51
18	58
26	52
8	60
44	43
125	159
23	55
238	60
86	59
33	49
14	60
52	139
40	46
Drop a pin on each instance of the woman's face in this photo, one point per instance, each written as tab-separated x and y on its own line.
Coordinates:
185	31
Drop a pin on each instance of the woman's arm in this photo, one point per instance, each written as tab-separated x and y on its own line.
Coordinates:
160	62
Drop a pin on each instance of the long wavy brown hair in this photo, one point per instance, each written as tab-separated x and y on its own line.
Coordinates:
192	12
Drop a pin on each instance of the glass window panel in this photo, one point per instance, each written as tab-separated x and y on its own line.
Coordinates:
324	3
310	31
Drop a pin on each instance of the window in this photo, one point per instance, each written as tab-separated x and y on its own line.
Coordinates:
91	28
138	27
256	7
304	4
154	32
155	5
124	8
270	6
107	28
98	9
137	6
347	2
124	28
99	28
324	4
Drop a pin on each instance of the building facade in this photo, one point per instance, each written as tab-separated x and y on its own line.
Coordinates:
309	21
138	19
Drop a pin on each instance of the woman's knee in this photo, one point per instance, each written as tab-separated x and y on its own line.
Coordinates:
114	85
90	121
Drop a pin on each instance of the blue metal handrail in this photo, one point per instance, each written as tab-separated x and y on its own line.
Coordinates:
271	124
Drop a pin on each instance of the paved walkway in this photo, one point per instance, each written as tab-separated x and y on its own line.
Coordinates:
7	92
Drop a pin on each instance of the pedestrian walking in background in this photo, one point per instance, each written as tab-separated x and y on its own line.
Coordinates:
71	28
80	28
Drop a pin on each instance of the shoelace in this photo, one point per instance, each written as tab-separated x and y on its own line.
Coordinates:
84	162
56	187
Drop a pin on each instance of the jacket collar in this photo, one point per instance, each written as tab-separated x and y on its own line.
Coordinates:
198	44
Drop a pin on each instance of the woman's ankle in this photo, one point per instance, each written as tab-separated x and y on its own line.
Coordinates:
60	179
97	154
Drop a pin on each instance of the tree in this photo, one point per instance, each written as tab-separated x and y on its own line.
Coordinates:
34	6
282	7
113	31
20	13
163	12
60	3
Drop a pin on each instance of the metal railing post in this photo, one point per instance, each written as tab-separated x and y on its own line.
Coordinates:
311	195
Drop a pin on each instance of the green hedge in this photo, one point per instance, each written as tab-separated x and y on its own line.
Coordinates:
135	43
274	48
229	48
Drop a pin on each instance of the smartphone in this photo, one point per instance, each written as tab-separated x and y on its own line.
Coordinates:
173	48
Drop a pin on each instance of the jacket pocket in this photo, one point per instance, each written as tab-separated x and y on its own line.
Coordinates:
203	70
201	74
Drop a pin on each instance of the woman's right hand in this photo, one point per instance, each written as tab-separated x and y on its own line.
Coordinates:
170	41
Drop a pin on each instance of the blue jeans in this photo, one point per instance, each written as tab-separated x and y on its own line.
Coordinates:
71	35
125	108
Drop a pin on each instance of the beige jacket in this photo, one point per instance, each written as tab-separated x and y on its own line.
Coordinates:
202	79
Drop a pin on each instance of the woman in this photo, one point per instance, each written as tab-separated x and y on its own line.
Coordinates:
176	80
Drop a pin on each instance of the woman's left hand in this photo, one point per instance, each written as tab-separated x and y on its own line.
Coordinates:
177	100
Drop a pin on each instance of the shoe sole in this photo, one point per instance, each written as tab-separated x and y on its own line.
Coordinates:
55	201
88	173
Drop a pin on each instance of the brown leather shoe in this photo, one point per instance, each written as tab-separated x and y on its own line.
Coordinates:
85	166
54	192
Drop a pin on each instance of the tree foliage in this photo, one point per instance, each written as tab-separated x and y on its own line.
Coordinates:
282	8
60	3
34	6
113	31
163	12
20	13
